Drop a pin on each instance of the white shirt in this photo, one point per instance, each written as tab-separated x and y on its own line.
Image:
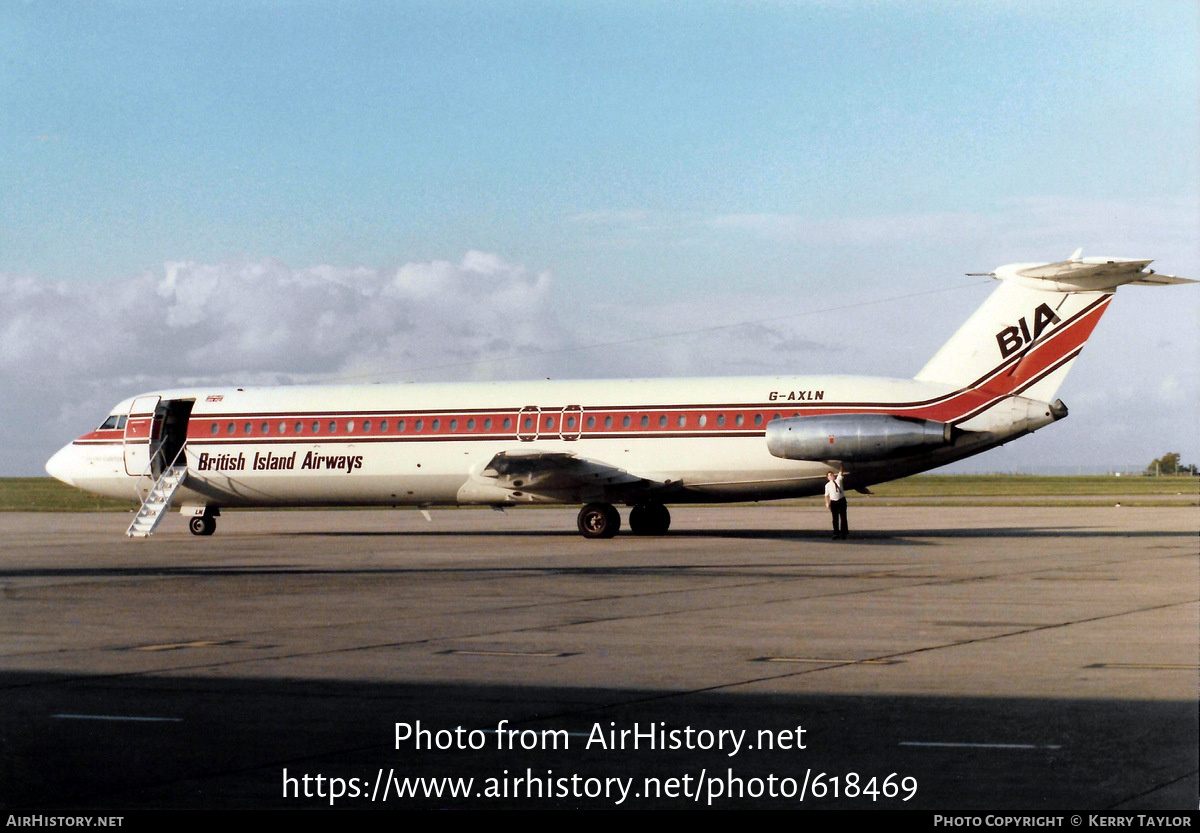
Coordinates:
833	489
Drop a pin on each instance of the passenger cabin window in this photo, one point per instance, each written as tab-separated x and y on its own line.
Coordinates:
383	426
265	427
299	427
454	425
682	420
419	425
216	429
366	426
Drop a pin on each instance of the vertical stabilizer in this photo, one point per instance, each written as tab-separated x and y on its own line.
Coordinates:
1021	341
1030	329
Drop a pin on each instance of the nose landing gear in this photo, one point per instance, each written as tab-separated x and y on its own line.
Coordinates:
205	524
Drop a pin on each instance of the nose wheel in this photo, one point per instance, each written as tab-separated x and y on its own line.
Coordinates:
203	525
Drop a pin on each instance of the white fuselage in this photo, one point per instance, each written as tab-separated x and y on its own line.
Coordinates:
699	439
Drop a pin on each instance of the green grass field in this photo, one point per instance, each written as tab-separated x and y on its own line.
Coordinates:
44	494
1021	485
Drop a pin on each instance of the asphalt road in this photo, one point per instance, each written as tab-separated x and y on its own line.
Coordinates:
968	660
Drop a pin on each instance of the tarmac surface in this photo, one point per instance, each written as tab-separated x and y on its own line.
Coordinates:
970	660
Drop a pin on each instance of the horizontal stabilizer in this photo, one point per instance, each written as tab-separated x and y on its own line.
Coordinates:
1089	274
1154	279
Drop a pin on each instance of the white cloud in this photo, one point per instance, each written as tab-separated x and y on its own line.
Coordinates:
69	351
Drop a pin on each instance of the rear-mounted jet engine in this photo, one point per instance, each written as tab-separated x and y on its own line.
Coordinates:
852	437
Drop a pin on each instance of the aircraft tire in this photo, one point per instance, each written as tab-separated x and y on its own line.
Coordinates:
599	520
650	518
203	525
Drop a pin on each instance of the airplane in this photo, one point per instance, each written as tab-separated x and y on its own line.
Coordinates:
643	443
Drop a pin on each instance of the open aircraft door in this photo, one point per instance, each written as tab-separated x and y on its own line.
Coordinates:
143	429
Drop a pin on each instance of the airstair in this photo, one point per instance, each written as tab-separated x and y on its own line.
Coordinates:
158	499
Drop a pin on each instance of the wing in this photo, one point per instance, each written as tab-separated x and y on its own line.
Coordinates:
557	476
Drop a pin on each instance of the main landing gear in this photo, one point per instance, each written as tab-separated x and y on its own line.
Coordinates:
599	520
602	520
650	518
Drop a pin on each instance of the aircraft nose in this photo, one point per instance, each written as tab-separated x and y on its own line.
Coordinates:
62	465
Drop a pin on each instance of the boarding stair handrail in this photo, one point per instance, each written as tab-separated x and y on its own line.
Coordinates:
148	472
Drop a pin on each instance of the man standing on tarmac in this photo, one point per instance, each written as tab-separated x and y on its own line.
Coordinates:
835	502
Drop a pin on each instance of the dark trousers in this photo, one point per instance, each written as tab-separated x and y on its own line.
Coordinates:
837	508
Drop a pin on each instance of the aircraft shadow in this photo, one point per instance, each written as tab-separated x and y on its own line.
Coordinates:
898	536
71	742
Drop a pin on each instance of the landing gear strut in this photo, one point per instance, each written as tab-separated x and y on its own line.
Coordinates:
203	524
599	520
650	518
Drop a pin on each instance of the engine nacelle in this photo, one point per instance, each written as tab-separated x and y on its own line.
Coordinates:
858	437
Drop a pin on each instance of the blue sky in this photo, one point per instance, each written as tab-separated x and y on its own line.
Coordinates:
666	165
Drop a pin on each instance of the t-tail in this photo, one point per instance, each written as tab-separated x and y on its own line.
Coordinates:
993	381
1013	354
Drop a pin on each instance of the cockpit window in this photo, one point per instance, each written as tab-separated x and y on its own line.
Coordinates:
111	422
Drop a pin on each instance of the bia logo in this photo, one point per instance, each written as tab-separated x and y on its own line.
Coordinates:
1012	339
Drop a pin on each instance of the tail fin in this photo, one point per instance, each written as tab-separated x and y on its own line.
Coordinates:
1030	329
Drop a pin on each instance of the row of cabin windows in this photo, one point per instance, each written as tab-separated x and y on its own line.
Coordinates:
644	421
527	424
418	425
